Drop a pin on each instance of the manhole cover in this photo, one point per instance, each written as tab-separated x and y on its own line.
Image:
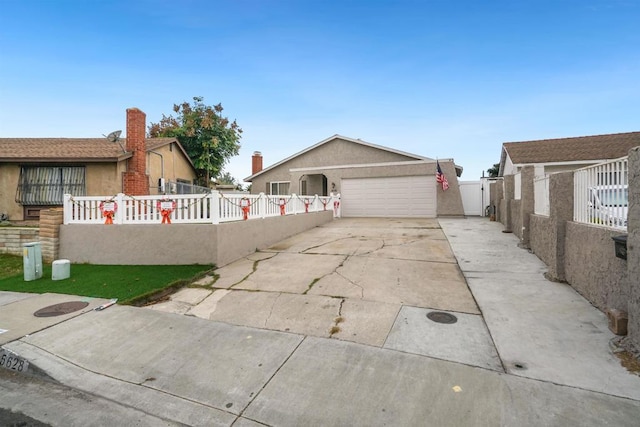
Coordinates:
60	309
442	317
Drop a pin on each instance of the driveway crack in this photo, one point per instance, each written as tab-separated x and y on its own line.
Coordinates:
339	319
271	310
323	244
346	278
254	268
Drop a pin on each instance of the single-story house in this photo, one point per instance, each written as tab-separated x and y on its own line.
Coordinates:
373	181
35	173
563	154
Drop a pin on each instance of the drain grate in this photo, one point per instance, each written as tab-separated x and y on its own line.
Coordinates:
60	309
442	317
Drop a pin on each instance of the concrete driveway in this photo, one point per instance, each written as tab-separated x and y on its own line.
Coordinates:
368	280
337	334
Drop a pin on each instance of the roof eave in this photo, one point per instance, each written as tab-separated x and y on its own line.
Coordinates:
65	159
331	138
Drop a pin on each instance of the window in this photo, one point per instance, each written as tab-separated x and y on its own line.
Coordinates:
303	187
47	185
279	188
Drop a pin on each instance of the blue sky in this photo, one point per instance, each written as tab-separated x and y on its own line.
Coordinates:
439	78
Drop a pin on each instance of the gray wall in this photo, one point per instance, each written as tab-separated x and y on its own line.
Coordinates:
160	244
497	194
592	268
542	240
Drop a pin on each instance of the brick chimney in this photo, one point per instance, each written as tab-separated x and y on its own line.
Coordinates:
256	162
135	179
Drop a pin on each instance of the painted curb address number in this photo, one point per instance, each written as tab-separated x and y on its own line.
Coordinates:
12	362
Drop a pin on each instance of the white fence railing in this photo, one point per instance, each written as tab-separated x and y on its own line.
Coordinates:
541	195
601	194
212	208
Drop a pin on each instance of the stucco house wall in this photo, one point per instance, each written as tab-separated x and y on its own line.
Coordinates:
103	179
339	158
168	162
334	153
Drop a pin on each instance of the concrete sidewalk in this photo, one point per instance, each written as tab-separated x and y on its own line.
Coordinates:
148	367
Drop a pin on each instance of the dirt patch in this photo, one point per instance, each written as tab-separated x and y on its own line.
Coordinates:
627	352
629	361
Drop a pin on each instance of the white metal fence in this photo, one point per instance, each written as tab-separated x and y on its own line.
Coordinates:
541	195
601	194
212	208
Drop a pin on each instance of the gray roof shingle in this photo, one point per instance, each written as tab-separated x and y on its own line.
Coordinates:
596	147
68	149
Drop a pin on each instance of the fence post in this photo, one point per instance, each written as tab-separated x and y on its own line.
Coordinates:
122	209
335	205
214	206
67	206
633	247
262	205
294	203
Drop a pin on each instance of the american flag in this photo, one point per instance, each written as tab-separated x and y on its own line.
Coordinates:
441	178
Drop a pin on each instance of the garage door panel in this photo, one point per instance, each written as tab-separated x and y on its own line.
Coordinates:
408	196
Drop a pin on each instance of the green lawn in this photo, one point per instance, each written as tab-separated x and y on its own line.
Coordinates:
128	283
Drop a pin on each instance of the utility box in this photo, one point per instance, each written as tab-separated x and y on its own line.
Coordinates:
60	269
32	261
621	246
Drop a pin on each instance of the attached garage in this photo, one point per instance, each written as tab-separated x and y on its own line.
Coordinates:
401	196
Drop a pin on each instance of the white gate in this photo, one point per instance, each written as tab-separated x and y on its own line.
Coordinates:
471	193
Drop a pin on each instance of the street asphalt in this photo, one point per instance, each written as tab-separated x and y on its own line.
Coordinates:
339	326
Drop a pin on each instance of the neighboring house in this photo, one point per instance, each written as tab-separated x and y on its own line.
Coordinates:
35	173
373	181
563	154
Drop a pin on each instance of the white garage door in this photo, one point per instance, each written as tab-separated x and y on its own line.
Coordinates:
402	196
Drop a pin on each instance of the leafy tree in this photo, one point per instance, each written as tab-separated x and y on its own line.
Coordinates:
209	139
226	178
493	171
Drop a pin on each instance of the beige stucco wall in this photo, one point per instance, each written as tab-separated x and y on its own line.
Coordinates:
176	166
334	153
103	179
161	244
100	179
